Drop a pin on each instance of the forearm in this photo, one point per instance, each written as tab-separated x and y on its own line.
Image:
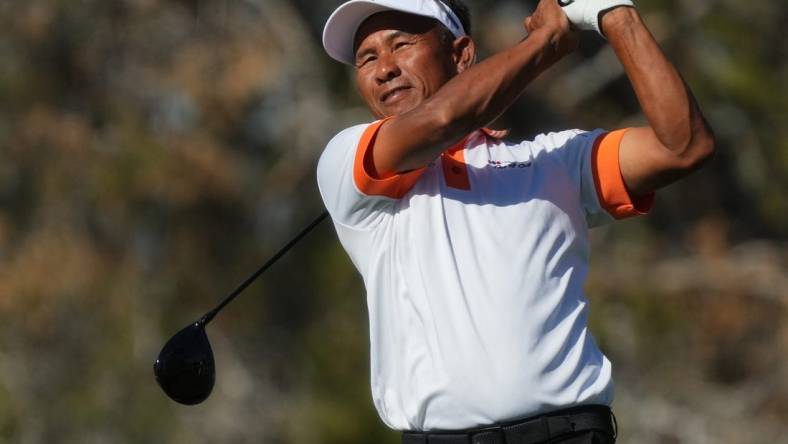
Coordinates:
479	95
474	98
665	99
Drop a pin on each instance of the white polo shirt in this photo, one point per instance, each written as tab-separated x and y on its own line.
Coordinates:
474	269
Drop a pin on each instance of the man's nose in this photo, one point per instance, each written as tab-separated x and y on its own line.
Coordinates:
387	68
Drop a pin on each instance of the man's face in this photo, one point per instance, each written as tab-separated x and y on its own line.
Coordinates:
401	59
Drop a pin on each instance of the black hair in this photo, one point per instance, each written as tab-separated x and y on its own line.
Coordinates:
460	9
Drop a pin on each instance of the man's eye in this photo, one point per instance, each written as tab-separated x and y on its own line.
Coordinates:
364	61
399	45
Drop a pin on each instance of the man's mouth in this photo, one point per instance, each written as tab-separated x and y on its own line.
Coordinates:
393	94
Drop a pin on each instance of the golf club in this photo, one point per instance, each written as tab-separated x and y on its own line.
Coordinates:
185	367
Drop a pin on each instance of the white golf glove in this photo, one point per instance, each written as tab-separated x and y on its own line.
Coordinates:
584	14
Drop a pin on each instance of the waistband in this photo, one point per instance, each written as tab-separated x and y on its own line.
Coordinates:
533	430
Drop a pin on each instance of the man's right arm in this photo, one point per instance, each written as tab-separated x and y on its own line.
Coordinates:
475	97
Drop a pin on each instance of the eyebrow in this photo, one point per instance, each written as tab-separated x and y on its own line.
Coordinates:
389	37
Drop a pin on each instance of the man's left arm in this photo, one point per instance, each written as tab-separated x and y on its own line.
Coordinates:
678	140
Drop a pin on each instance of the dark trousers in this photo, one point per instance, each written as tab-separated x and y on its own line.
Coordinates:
586	438
578	425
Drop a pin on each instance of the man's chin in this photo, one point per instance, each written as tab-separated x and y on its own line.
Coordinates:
399	108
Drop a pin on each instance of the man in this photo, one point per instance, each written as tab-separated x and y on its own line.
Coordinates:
474	250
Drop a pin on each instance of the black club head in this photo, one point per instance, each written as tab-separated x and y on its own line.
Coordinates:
185	367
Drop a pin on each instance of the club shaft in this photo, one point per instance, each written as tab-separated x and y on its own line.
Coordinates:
208	317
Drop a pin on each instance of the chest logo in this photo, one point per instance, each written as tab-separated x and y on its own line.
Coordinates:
497	164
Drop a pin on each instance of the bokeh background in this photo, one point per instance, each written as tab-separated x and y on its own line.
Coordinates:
153	153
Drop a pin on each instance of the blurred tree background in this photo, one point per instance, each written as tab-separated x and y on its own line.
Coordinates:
153	153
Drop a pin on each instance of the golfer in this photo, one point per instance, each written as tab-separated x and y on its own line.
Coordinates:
474	249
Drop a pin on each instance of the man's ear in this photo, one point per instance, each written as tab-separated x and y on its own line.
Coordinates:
464	53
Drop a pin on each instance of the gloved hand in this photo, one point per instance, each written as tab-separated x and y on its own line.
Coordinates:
586	14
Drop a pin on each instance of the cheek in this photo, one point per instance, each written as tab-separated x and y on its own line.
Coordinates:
365	88
433	75
362	85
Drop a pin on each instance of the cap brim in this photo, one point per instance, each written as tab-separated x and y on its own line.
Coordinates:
340	30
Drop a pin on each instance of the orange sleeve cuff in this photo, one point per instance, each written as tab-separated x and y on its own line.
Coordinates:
610	187
366	178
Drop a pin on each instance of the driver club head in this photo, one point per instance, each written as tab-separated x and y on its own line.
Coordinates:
185	367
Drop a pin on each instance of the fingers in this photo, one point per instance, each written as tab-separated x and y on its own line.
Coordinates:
550	16
548	13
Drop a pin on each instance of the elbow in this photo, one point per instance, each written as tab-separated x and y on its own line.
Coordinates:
698	151
704	148
445	120
451	122
440	127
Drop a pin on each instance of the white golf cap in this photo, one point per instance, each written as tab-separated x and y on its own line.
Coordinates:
341	27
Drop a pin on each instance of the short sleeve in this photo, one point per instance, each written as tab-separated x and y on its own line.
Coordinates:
611	191
354	194
593	159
